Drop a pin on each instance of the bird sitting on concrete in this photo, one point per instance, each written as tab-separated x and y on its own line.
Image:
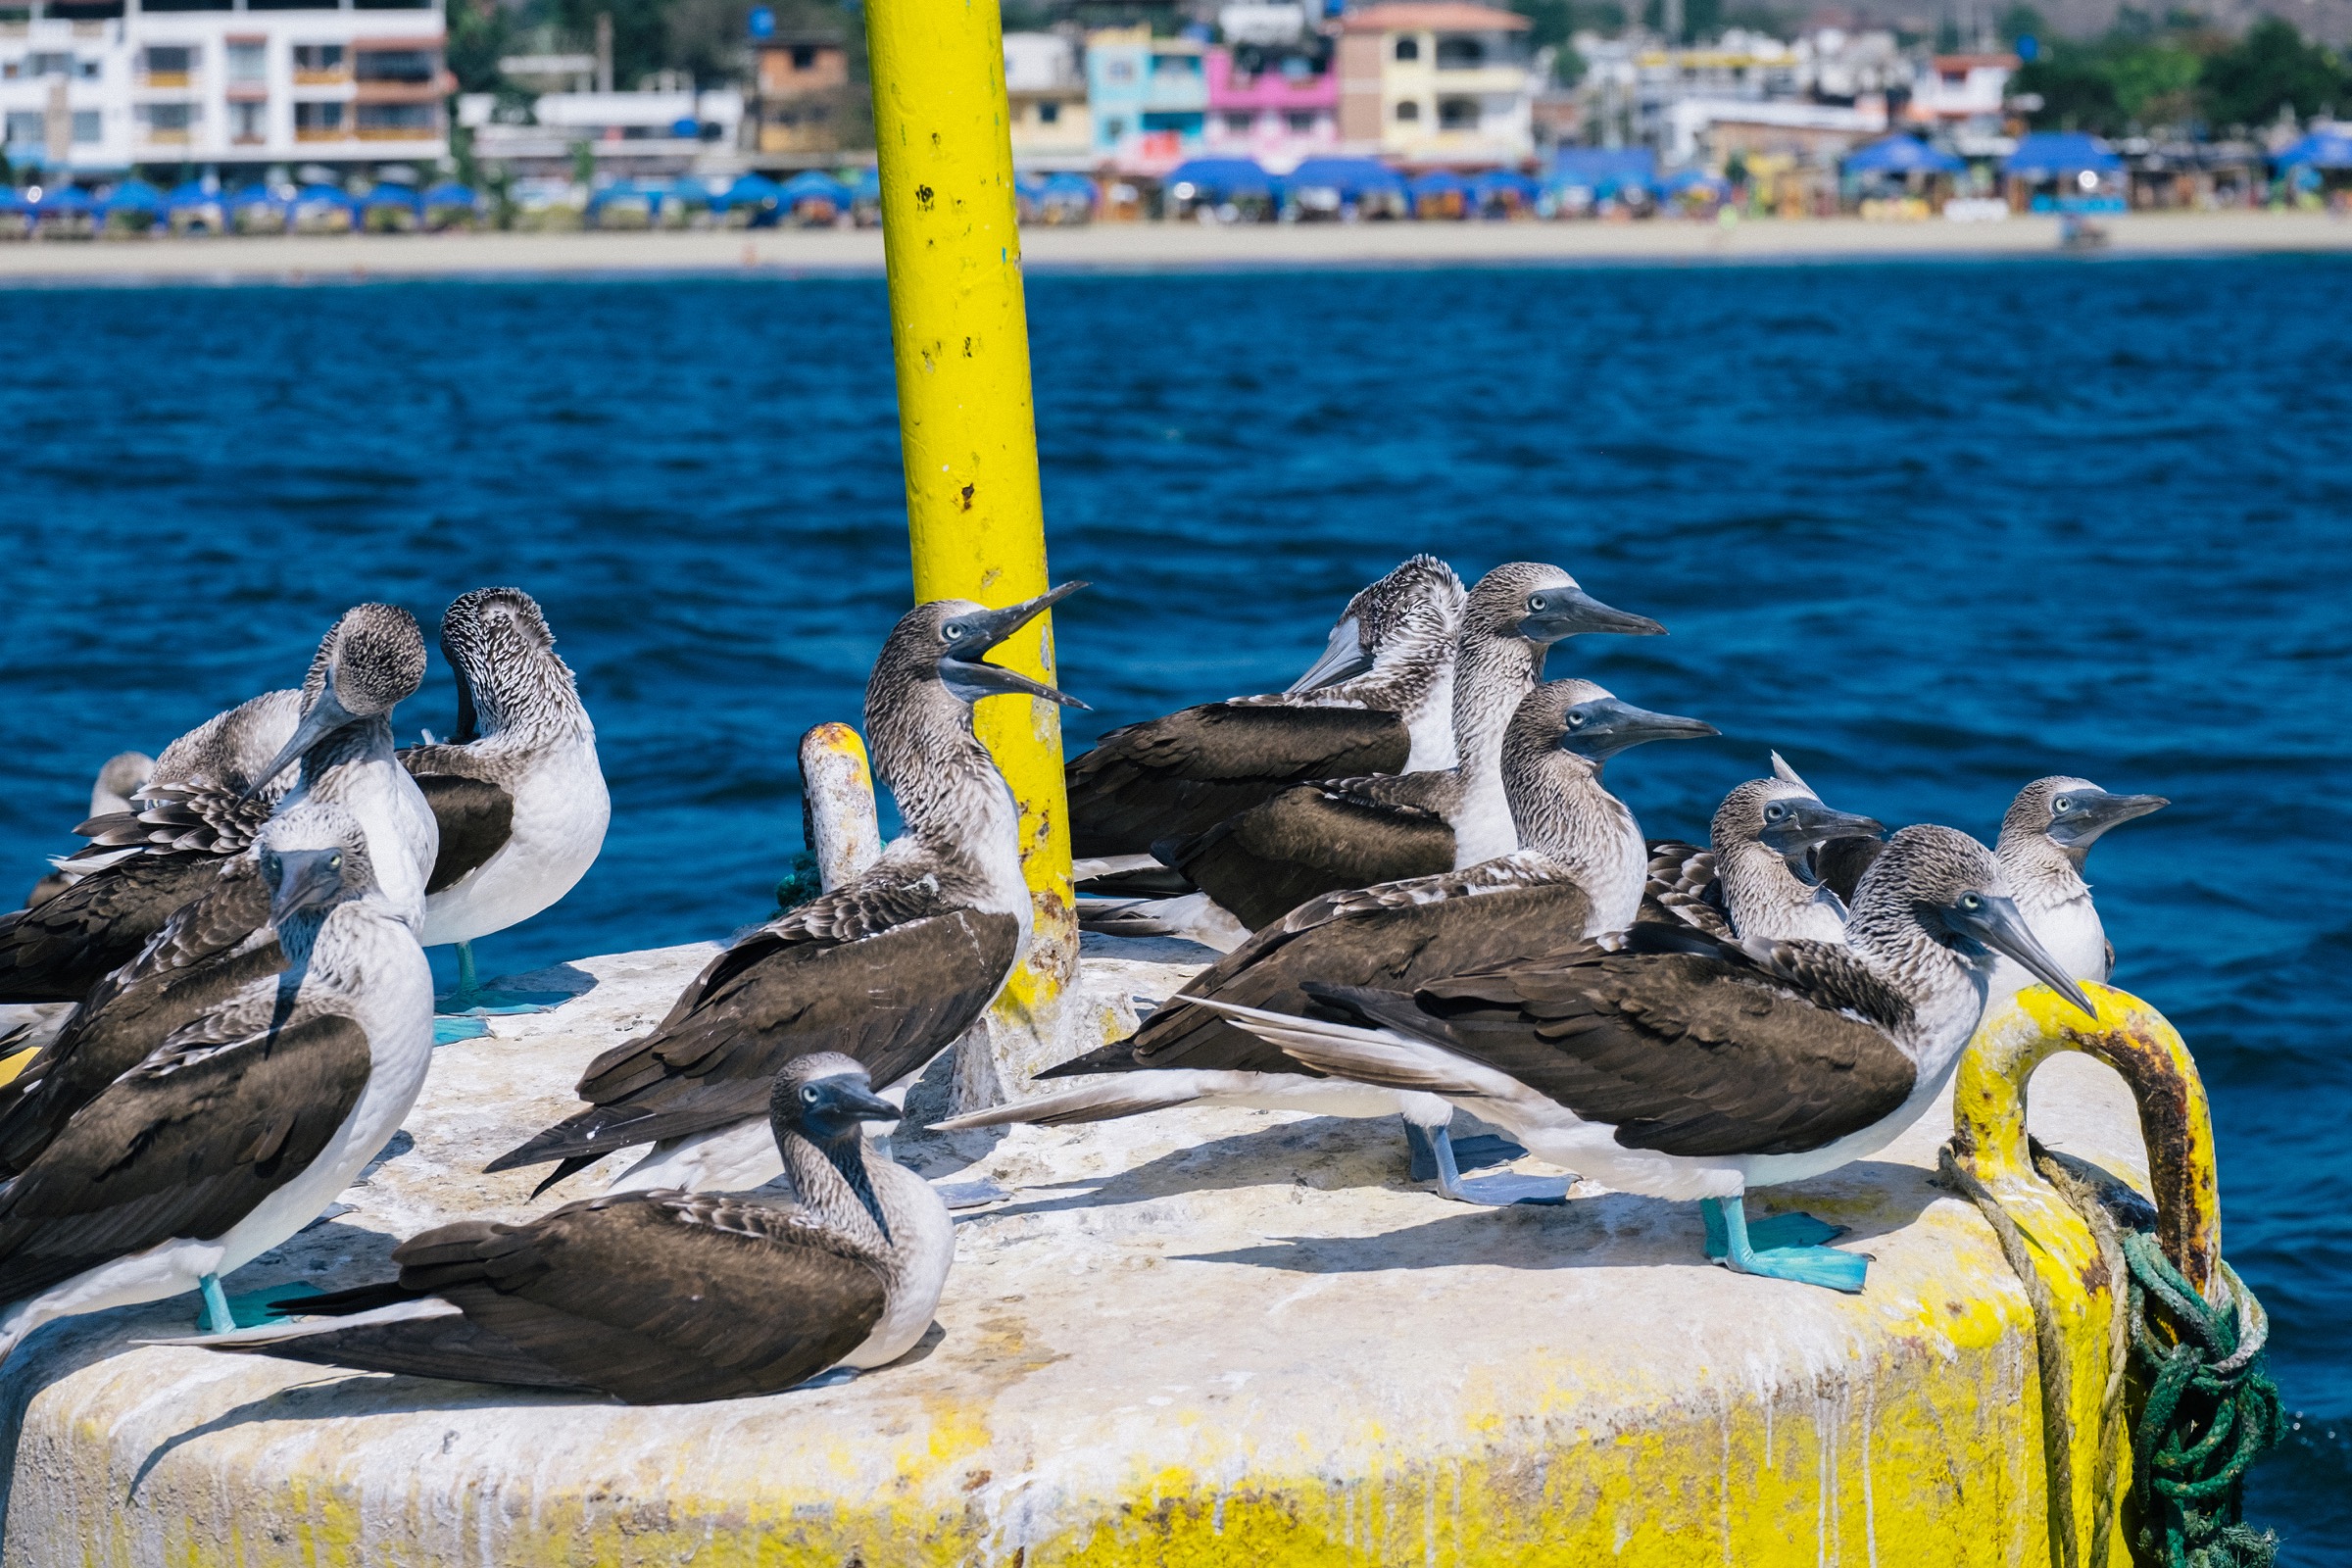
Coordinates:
889	968
1578	874
664	1296
1690	1067
239	1126
1756	877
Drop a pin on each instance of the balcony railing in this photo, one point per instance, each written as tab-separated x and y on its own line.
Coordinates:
329	76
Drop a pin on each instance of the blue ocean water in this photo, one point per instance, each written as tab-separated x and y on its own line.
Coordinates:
1932	530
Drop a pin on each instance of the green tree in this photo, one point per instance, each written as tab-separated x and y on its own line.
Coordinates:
2132	79
2269	69
640	33
2021	22
479	32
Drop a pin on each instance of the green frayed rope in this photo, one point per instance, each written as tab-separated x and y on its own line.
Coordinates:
801	886
2212	1410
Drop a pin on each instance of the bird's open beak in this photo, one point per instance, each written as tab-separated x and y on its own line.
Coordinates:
971	678
307	879
326	715
1809	823
1614	726
1343	658
1570	610
2094	815
2000	927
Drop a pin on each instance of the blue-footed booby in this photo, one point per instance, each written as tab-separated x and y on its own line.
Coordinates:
1340	833
246	1120
2045	835
1378	701
1690	1067
515	790
1577	874
1754	880
889	968
665	1297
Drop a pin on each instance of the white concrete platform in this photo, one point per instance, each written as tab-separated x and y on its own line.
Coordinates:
1215	1337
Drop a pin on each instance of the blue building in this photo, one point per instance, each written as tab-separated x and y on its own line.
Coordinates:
1148	97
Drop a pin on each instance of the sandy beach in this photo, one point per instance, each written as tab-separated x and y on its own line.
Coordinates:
1143	247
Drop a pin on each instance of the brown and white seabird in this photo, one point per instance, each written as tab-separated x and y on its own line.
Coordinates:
889	968
1690	1067
1340	833
246	1120
665	1296
2045	836
1755	879
1378	701
515	790
1578	874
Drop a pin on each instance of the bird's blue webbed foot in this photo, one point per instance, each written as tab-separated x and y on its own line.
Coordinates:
1438	1157
1805	1262
458	1012
221	1312
831	1378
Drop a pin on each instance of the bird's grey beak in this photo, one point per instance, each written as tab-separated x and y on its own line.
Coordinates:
846	1096
326	715
1611	726
1570	610
1343	658
1998	924
307	879
1809	823
2091	815
971	678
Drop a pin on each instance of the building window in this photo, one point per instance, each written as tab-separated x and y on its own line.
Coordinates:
1457	113
1408	48
248	62
1114	127
166	121
403	118
26	127
319	120
1460	54
319	59
89	126
1301	118
249	123
1240	121
1048	114
1408	111
413	66
804	56
50	66
167	64
1118	71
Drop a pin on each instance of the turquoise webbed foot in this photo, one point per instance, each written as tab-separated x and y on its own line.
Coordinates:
222	1312
1773	1229
1491	1192
1805	1262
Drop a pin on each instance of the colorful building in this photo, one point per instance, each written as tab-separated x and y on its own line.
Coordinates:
1276	104
100	86
1148	98
1436	82
1962	89
1051	124
802	100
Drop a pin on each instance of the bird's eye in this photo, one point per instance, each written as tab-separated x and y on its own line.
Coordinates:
1971	903
2060	805
334	863
1536	601
952	632
809	1093
1773	814
1576	720
271	865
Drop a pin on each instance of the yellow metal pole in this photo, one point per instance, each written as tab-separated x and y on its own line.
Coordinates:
966	426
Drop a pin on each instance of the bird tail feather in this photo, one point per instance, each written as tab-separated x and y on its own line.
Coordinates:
1380	1055
1133	1095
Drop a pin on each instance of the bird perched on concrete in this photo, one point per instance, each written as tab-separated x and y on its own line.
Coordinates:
244	1122
372	659
889	968
1577	874
1341	833
1690	1067
1755	879
2046	834
119	780
1378	701
664	1298
515	790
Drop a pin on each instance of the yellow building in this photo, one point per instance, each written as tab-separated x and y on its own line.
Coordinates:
1446	81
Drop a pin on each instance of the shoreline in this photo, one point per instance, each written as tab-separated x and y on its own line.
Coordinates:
1143	248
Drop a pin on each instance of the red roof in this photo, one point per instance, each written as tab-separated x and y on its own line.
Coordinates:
1434	16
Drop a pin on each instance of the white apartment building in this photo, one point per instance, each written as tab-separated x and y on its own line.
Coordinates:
101	87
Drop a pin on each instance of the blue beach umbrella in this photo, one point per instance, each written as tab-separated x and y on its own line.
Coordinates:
2320	149
190	196
1068	188
1503	184
812	185
1352	178
391	196
450	193
2052	154
1218	179
61	201
1604	170
134	196
1433	189
1901	155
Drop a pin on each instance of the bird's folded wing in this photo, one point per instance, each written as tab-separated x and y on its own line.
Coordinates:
185	1144
192	814
1307	841
1682	1052
890	1001
57	950
1184	772
1682	886
1841	864
475	816
660	1297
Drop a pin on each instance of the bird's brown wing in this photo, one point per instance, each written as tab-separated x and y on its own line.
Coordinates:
63	946
1312	838
1184	773
185	1144
1682	886
475	816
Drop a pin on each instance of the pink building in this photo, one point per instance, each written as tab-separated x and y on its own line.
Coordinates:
1277	104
